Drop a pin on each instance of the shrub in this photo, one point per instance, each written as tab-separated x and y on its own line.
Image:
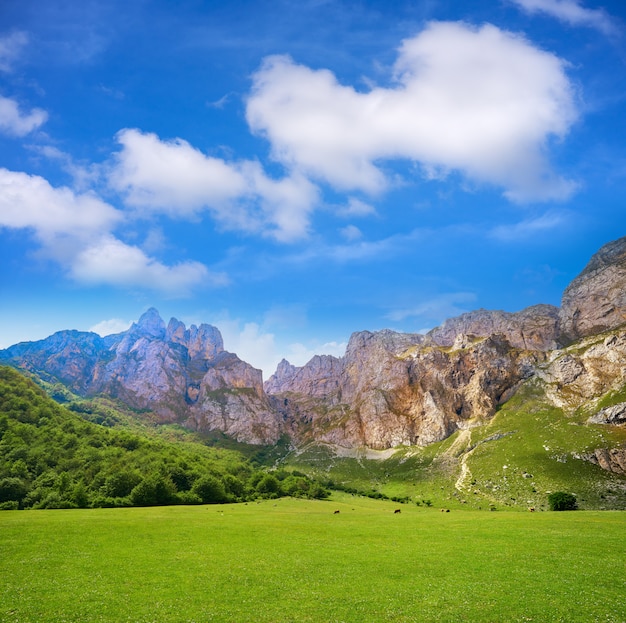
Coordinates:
154	490
268	485
12	489
561	501
210	490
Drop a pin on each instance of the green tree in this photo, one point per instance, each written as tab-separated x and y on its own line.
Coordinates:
561	501
12	489
268	485
210	490
120	484
154	490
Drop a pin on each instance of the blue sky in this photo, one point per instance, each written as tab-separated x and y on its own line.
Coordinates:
294	171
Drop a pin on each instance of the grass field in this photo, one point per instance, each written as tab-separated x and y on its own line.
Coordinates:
295	561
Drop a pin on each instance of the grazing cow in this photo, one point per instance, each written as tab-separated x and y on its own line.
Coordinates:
336	512
445	510
397	511
531	509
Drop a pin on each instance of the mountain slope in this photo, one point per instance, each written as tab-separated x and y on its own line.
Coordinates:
388	390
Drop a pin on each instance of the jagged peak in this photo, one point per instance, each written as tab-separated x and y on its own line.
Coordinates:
150	323
203	342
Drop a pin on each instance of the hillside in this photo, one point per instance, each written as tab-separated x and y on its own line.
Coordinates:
50	457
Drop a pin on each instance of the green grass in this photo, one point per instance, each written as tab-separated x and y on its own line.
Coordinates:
296	561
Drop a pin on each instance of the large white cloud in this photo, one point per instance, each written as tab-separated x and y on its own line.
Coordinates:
75	230
112	262
571	12
16	123
29	201
174	178
481	101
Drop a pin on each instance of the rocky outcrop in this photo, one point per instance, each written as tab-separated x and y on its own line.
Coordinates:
612	460
615	414
578	375
395	389
533	328
319	378
596	300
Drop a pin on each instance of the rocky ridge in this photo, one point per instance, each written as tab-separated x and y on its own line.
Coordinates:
179	374
389	388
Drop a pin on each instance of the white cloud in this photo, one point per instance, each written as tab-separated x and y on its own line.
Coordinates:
76	231
259	347
29	201
436	309
571	12
174	178
112	262
530	227
111	326
356	207
84	175
351	232
481	101
10	49
362	250
15	123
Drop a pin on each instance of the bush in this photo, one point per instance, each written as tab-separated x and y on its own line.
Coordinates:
268	485
561	501
210	490
154	490
12	490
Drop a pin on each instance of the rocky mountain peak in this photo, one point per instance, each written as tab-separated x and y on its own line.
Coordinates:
595	301
150	324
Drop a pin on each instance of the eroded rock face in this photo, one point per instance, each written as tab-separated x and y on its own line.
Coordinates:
319	377
179	374
611	460
596	300
395	389
533	328
615	414
576	376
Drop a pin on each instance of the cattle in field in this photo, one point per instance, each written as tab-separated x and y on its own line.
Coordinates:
445	510
336	512
397	511
531	509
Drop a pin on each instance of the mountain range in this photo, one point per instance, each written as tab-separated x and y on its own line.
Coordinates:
390	389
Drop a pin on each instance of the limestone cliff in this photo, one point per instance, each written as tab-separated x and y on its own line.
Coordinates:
533	328
391	389
178	374
596	300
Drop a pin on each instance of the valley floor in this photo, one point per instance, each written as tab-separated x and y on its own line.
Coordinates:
302	561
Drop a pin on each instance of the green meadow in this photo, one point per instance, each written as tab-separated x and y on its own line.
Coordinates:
293	560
